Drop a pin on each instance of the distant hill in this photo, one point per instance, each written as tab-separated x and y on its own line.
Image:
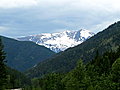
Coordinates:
59	41
65	61
22	55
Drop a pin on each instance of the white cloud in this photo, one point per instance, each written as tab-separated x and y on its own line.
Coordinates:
17	3
85	4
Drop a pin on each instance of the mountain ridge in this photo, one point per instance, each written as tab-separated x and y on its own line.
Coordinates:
59	41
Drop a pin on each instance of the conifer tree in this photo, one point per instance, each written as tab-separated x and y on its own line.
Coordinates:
3	75
116	71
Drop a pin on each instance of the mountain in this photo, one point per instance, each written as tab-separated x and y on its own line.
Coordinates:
22	55
65	61
59	41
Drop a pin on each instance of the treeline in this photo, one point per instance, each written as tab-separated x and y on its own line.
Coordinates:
102	73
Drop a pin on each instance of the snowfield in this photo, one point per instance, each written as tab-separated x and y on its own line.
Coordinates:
59	41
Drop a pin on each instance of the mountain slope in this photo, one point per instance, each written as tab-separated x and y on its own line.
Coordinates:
65	61
59	41
22	55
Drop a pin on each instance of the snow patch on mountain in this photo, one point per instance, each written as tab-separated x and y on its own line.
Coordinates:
59	41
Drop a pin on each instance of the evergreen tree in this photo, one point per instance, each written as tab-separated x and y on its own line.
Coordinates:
75	80
3	74
116	73
52	82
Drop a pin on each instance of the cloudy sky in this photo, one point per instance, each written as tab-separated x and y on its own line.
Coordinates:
26	17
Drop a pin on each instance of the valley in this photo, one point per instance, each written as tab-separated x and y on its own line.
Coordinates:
59	45
91	65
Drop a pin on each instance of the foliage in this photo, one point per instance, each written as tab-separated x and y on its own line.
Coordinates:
76	78
102	73
16	79
116	73
49	82
3	73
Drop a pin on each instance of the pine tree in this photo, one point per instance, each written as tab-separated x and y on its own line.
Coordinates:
75	80
116	73
3	74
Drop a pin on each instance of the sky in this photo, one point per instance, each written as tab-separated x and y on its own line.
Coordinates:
28	17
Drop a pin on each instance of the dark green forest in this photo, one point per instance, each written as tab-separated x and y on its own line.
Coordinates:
102	73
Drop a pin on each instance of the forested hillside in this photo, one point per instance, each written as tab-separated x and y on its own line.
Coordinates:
22	55
65	61
102	73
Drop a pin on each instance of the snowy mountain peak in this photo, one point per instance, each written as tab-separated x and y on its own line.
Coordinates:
59	41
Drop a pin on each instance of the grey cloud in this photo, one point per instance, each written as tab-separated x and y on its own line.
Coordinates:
50	17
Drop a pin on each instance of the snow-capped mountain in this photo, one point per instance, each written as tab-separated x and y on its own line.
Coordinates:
59	41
